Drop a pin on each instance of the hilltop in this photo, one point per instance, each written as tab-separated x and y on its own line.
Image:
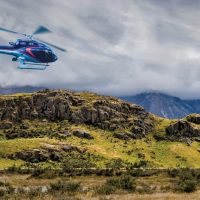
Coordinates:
55	128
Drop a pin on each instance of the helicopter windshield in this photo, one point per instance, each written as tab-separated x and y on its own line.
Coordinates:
22	43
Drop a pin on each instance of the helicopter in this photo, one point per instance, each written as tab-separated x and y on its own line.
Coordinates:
31	53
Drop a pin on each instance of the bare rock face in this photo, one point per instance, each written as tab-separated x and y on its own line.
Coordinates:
138	132
6	125
182	129
99	111
194	118
36	155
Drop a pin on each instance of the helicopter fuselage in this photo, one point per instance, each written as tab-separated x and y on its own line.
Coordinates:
30	51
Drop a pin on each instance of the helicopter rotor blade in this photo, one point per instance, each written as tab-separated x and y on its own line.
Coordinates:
10	31
41	30
52	45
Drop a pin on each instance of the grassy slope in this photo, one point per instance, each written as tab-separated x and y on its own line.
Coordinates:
159	154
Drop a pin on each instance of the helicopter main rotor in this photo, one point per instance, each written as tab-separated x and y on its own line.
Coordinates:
39	30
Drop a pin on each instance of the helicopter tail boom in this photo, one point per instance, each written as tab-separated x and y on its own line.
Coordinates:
9	52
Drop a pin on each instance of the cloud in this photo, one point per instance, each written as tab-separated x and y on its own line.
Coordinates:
115	47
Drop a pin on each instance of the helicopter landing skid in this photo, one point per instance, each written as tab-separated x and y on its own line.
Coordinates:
32	66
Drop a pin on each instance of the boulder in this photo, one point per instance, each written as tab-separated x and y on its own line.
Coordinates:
138	132
36	155
66	134
33	156
122	136
82	134
69	148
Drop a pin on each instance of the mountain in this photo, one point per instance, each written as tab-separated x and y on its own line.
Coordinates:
165	105
19	89
61	128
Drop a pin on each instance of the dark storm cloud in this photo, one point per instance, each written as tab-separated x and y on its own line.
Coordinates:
116	47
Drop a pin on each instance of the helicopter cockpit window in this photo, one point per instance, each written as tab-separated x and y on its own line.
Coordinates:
22	43
32	44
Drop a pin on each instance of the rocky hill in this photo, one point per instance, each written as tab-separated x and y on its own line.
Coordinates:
52	127
79	108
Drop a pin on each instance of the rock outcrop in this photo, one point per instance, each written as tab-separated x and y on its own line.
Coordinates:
36	155
82	134
80	108
182	129
122	136
194	118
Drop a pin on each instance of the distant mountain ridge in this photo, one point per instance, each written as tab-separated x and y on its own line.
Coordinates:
165	105
19	89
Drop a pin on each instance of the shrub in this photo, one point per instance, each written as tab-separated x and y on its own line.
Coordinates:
146	189
104	190
165	188
187	181
10	189
57	186
127	183
37	172
115	164
173	172
187	186
72	186
34	192
113	182
124	182
2	192
141	164
68	186
3	183
76	161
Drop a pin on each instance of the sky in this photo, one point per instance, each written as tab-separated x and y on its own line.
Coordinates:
115	47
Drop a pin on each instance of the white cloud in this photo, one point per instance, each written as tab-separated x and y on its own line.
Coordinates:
117	47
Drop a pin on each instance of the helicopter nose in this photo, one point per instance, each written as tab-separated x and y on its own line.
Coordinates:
55	57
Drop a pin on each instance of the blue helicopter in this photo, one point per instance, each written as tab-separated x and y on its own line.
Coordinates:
31	53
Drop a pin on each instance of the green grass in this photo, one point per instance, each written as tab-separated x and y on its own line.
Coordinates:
17	145
6	163
159	154
104	147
